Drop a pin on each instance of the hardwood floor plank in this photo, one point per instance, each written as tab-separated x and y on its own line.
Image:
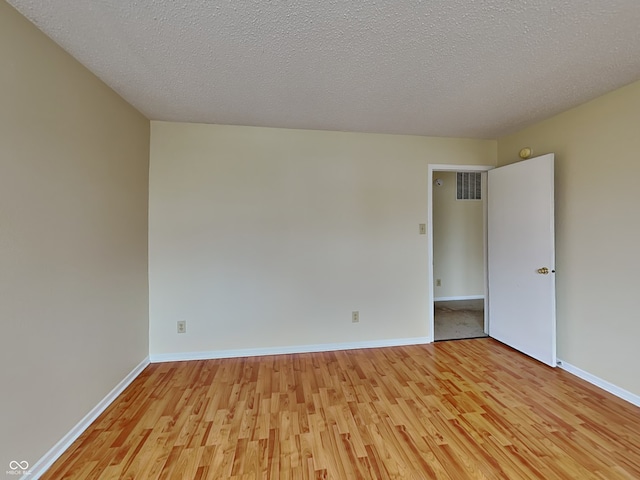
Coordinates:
471	409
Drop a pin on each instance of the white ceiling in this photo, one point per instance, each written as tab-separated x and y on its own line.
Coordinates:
463	68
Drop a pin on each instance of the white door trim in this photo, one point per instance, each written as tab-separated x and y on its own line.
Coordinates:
451	168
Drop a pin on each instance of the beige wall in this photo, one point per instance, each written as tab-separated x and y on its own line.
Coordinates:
458	247
73	247
263	238
597	231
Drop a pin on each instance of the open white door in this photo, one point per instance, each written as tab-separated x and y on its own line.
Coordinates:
521	257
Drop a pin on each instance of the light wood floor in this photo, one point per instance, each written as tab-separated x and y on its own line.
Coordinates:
470	409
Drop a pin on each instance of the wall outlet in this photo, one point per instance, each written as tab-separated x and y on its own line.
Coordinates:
182	326
355	317
422	228
438	282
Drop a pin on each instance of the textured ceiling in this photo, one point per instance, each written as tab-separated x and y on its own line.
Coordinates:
464	68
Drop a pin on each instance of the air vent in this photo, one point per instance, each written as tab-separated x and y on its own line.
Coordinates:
469	186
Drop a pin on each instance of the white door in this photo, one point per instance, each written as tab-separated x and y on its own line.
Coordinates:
521	257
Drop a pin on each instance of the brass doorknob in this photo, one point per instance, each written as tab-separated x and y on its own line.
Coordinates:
543	271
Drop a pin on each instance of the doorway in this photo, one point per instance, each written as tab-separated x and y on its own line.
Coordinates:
458	266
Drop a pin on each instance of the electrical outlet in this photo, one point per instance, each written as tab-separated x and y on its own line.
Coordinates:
182	326
438	282
355	317
422	228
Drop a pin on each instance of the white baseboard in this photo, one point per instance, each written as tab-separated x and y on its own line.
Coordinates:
59	448
603	384
464	297
255	352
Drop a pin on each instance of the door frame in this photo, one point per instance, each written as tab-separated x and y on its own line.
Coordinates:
454	168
